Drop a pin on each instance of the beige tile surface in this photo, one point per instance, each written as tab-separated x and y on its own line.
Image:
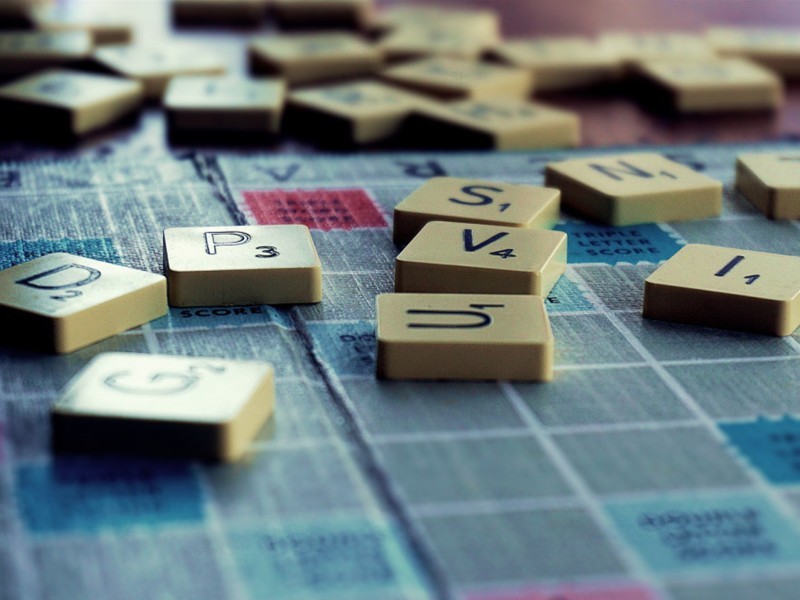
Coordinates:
771	182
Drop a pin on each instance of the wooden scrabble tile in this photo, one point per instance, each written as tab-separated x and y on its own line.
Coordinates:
460	258
463	336
224	104
254	264
154	65
718	84
479	23
60	302
25	52
185	406
67	102
771	182
311	58
778	49
361	112
328	14
238	12
727	288
498	123
634	48
627	189
475	201
433	39
458	78
561	63
103	28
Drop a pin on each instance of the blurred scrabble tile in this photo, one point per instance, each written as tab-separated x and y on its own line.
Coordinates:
460	258
634	48
361	112
482	24
433	39
327	14
728	288
475	201
26	52
627	189
224	104
458	78
67	103
154	65
61	303
561	63
496	123
463	336
253	264
771	182
103	28
316	57
776	48
236	12
177	406
719	84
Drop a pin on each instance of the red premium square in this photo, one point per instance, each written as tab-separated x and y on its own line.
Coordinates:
317	209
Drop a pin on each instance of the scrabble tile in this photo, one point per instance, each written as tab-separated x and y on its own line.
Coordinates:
778	49
311	58
728	288
103	27
714	85
463	336
475	201
67	102
254	264
433	39
224	104
207	408
633	48
238	12
627	189
497	123
479	23
771	182
460	258
327	14
361	112
561	63
458	78
60	302
22	53
154	65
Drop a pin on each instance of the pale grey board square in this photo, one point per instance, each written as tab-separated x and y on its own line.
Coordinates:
472	470
590	339
271	343
53	215
156	564
673	341
285	482
410	407
523	546
629	395
680	458
742	390
760	589
619	287
303	411
794	501
356	251
756	233
347	297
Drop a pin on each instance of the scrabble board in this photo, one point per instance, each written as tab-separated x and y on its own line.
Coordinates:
660	462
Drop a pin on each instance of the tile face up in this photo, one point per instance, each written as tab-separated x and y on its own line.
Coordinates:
453	78
225	104
65	302
633	48
475	201
461	258
482	24
185	406
103	27
778	49
463	336
771	182
243	12
69	102
634	188
729	288
22	53
313	57
155	65
715	85
501	124
405	43
257	264
322	13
